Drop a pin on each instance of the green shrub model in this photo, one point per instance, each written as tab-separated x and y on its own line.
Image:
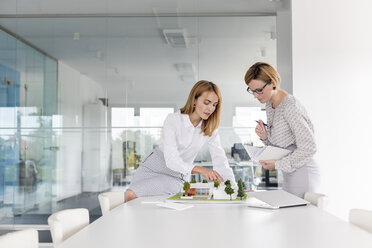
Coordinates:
205	181
229	190
186	187
193	180
216	184
240	182
241	193
227	182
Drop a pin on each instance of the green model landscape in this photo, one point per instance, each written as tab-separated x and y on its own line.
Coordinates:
241	195
178	197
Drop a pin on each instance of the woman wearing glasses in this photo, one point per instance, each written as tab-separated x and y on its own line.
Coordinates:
184	133
288	126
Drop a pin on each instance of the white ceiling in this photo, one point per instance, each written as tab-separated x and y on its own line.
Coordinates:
136	6
136	61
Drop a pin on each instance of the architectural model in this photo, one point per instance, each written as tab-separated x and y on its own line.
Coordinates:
208	191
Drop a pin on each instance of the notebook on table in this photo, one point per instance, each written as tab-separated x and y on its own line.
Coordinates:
274	199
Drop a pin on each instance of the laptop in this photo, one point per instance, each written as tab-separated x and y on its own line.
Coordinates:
274	199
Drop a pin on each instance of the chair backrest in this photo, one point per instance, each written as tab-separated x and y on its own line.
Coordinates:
110	200
361	218
27	238
66	223
317	199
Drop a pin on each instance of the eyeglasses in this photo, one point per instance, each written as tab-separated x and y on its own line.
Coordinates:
258	91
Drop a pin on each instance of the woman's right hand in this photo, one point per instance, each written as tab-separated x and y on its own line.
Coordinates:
208	174
261	130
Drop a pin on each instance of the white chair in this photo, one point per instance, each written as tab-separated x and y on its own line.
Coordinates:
66	223
27	238
110	200
361	218
316	199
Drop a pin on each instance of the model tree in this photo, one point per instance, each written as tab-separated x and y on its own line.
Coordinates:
205	181
193	180
229	190
241	185
216	184
227	182
186	187
240	181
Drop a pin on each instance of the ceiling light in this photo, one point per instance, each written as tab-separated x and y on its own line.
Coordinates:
188	78
175	37
76	36
186	68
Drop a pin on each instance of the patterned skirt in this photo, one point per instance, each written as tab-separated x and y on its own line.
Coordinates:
153	177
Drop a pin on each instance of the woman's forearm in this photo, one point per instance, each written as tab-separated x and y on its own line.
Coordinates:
196	170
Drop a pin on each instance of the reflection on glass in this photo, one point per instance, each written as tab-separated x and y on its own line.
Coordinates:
28	102
74	128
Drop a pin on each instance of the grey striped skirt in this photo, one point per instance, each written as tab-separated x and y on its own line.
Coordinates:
153	177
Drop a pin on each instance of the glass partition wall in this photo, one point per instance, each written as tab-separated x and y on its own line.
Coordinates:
28	111
83	100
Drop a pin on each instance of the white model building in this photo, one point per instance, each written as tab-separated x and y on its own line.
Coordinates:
207	190
220	194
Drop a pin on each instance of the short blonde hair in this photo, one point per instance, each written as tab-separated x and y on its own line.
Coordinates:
263	71
212	123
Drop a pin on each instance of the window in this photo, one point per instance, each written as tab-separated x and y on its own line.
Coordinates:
154	117
244	123
121	117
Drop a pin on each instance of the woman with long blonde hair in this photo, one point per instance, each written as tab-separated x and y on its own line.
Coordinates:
184	133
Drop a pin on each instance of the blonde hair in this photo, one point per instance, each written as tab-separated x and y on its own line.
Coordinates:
211	124
263	71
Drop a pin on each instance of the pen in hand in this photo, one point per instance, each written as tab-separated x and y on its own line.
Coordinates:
263	124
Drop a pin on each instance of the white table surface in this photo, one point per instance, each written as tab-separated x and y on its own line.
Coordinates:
136	224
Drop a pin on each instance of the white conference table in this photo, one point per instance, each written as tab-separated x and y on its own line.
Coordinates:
136	224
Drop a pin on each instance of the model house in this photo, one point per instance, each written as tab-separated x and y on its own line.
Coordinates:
208	191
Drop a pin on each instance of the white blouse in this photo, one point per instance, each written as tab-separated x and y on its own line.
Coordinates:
181	142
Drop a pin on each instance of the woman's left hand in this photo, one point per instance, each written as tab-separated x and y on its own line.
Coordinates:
268	164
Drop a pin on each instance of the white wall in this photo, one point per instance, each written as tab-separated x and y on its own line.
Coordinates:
284	46
332	62
74	90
